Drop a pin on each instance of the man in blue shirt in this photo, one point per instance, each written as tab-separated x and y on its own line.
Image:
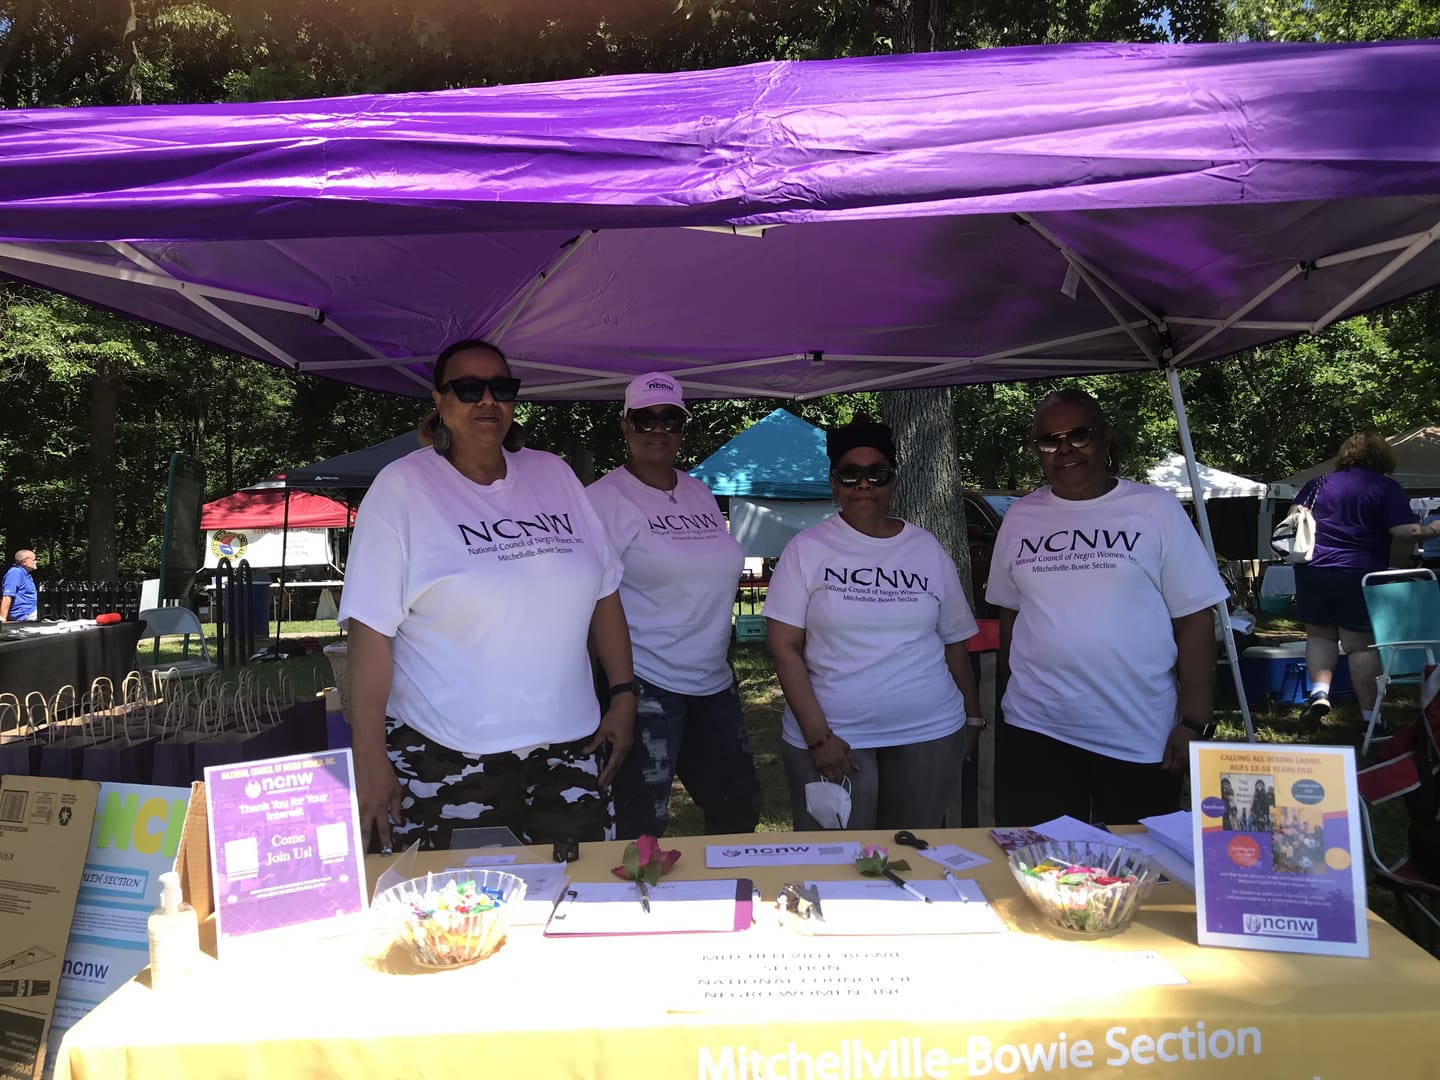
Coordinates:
18	604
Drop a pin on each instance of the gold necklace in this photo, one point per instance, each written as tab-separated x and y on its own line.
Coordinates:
481	480
669	492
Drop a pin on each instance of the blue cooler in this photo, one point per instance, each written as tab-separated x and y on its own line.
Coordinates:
1276	674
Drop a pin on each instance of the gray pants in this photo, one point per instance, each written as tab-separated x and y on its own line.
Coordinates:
895	787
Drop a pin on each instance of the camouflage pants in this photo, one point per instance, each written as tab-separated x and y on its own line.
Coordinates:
547	795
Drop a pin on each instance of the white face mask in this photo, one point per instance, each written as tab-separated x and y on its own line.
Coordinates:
828	803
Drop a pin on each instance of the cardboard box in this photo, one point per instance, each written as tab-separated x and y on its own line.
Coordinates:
44	837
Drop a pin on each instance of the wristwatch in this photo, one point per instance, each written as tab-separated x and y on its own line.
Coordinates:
625	688
1205	731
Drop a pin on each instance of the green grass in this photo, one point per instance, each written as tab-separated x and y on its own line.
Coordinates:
763	704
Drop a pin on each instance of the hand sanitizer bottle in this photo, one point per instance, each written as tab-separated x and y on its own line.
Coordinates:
174	936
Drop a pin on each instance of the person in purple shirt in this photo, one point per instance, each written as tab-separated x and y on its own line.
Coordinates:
1357	509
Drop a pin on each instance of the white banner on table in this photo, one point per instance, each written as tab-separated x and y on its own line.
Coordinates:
726	856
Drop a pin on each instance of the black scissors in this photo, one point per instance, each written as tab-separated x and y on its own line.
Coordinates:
909	839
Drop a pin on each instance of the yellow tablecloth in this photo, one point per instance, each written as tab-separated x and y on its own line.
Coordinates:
1021	1003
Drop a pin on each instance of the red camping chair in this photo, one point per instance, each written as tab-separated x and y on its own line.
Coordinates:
1397	773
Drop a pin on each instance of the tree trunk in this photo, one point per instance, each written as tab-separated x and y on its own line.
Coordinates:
584	465
929	490
103	396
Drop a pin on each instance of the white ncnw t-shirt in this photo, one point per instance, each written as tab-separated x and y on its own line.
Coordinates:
877	615
1096	583
681	571
488	591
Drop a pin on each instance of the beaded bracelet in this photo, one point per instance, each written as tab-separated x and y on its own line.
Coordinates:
820	741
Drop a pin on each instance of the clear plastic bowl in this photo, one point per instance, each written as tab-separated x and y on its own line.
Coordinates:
445	938
1086	908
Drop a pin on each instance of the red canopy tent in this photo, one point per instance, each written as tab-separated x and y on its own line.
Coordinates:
264	508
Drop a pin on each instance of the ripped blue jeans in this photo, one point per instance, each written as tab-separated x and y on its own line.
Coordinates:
703	741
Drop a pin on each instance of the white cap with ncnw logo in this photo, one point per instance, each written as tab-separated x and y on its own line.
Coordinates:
653	389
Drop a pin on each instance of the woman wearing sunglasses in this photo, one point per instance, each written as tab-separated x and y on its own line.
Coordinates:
681	570
1105	591
867	622
476	576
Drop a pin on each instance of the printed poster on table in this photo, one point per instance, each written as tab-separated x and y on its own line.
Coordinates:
1278	857
132	842
284	843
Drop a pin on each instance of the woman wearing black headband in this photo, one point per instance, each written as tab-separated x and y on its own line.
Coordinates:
867	622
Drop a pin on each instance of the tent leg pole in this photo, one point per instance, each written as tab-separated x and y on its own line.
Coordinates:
1202	516
280	593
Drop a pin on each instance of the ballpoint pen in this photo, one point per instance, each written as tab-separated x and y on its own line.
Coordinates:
898	880
955	884
644	896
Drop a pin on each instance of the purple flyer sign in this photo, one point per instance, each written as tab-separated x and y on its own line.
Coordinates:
284	843
1278	861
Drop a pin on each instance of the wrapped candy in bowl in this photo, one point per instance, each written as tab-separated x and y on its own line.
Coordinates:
1084	886
452	918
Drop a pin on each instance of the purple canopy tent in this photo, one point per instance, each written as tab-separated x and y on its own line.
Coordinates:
787	229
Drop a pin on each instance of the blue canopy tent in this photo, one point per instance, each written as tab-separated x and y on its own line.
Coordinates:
777	478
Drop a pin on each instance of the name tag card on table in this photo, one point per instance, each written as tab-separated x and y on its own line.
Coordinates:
726	856
680	907
284	843
882	908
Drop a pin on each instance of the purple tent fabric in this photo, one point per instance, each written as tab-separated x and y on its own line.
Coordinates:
894	221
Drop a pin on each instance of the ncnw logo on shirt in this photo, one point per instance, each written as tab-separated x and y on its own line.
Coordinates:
516	528
684	523
1073	539
878	575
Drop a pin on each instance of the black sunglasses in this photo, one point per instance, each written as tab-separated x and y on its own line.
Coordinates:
672	421
1079	438
850	475
470	389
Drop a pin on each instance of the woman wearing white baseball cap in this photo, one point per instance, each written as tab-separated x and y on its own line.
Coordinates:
678	590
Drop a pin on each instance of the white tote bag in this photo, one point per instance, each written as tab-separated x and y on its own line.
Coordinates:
1294	538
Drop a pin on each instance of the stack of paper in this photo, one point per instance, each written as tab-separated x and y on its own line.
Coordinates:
1175	831
881	907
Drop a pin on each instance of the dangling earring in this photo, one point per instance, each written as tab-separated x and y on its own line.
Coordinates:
440	437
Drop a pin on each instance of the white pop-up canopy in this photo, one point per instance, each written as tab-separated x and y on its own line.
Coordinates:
1173	475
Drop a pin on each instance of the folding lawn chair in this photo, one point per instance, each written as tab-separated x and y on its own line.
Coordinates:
1404	607
1400	772
176	622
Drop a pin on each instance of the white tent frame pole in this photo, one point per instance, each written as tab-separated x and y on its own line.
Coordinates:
1075	259
157	280
1421	242
936	365
503	318
372	352
1259	298
208	306
1202	518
